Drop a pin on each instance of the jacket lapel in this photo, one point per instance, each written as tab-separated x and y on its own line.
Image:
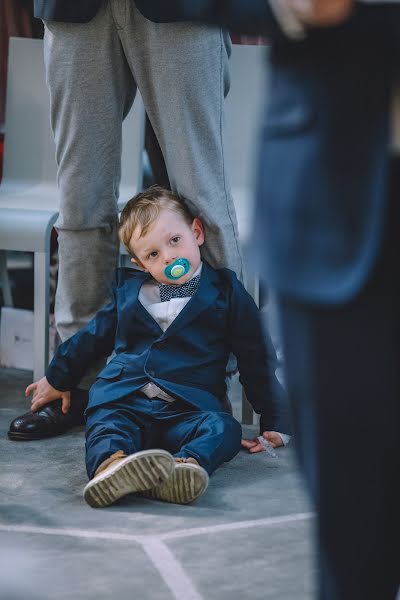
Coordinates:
132	289
205	296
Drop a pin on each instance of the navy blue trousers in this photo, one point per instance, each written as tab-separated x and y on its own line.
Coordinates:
139	423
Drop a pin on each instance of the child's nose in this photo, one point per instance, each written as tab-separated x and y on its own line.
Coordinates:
169	259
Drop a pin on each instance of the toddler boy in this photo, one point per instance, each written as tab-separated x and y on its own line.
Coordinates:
154	422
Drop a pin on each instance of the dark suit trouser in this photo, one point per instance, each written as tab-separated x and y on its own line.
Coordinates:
343	372
212	438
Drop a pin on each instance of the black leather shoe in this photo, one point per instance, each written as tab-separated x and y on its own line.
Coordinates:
50	420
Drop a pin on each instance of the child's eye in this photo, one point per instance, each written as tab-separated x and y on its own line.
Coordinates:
153	254
175	239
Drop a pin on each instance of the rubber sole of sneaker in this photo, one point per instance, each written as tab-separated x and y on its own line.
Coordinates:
186	483
135	473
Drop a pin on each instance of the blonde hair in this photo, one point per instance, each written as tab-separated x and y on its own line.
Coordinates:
144	208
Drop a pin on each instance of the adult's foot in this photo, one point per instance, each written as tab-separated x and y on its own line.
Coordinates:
50	420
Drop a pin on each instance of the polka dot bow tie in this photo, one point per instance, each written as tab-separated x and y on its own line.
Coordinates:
178	291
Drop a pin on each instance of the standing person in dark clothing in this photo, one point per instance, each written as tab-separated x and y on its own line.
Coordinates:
329	215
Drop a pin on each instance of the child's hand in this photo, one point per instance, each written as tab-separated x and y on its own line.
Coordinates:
43	393
254	445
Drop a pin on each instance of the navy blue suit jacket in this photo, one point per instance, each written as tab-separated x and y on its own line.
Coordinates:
82	11
249	16
70	11
188	360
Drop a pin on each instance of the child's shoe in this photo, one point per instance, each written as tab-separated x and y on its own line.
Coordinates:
117	477
188	481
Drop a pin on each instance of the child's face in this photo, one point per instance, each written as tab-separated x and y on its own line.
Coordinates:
167	239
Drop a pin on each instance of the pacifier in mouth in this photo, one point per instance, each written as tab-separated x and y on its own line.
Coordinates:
180	267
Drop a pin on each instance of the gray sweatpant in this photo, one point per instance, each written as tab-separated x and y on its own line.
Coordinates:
93	70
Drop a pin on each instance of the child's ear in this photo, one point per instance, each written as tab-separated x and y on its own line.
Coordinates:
138	264
198	230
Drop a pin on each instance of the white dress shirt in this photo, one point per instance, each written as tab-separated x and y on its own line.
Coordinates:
164	313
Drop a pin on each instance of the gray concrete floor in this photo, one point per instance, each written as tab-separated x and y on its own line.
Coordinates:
248	537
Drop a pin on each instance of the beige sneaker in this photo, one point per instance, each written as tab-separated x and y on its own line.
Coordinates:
187	482
135	473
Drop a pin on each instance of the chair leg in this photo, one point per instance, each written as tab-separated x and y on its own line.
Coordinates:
253	287
124	260
41	314
247	410
4	280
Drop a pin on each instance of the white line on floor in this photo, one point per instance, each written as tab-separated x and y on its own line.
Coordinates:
156	549
141	539
170	569
234	526
79	533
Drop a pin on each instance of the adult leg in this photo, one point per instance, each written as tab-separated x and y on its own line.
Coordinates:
345	407
91	89
343	378
182	72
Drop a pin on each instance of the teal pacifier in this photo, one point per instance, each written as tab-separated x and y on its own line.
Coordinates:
179	267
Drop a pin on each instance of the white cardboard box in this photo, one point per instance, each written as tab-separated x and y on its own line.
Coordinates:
16	338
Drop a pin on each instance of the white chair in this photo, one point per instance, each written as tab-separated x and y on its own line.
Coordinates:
243	125
29	193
